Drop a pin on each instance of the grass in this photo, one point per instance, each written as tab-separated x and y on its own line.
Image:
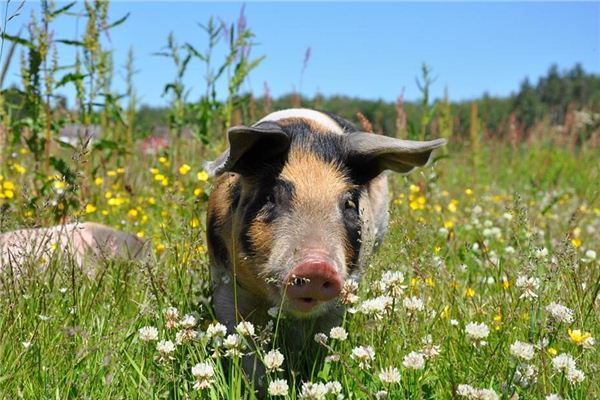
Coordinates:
461	236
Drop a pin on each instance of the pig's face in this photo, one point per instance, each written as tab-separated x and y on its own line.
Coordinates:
303	232
300	208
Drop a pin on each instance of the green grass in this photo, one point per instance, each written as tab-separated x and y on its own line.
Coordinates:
81	333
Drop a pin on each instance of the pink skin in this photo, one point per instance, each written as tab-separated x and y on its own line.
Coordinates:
312	282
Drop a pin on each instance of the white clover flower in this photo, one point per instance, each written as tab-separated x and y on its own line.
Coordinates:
453	322
171	315
381	395
165	347
391	283
338	333
414	360
389	375
575	376
525	374
217	330
509	250
563	363
528	286
185	335
466	391
320	338
522	350
233	345
472	393
148	334
487	394
348	295
313	391
334	387
273	312
376	307
188	321
477	331
413	304
560	313
429	350
590	255
541	253
278	387
273	360
204	373
553	396
364	355
245	328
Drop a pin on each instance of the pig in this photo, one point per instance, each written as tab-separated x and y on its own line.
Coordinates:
86	244
299	202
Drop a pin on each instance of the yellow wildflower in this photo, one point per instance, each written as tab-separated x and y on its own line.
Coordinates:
469	192
98	181
415	188
578	336
19	169
132	213
576	242
552	351
160	248
202	176
184	169
452	206
470	292
111	173
90	208
8	185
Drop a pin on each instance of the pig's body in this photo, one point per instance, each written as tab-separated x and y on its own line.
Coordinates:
299	203
86	244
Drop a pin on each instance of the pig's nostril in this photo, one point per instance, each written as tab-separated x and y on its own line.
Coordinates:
327	285
307	299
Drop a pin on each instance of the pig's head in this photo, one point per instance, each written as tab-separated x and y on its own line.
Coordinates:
301	207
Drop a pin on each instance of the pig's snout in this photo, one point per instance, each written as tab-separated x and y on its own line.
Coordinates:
312	282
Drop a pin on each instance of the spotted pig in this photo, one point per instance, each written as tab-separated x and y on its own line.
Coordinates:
299	202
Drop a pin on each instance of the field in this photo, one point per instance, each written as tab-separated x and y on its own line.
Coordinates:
495	239
487	285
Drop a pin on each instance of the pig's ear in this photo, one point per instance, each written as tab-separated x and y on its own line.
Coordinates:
371	154
250	147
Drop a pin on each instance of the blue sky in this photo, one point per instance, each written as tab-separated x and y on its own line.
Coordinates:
369	50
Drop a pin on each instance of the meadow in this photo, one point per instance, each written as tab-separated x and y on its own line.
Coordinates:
488	277
487	285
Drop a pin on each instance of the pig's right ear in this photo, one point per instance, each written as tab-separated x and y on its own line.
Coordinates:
250	147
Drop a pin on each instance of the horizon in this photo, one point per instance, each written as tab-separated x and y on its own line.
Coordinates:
472	48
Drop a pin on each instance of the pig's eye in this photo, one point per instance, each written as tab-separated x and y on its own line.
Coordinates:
350	205
270	199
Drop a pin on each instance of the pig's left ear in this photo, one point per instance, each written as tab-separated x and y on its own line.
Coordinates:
249	148
371	154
